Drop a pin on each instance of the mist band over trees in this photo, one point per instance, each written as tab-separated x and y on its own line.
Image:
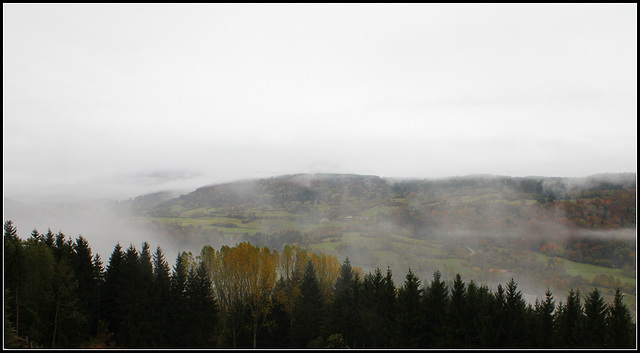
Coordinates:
247	296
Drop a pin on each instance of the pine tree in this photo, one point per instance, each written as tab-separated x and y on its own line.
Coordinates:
569	320
410	321
620	326
544	324
37	297
131	303
367	314
201	308
178	303
342	314
308	310
275	332
110	308
515	310
455	325
435	303
595	313
161	289
147	326
87	287
14	269
388	307
474	312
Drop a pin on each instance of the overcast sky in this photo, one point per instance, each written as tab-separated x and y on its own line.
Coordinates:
117	100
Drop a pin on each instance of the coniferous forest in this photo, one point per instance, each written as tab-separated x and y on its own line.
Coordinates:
57	294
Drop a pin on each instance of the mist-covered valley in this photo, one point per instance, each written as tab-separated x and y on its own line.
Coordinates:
556	233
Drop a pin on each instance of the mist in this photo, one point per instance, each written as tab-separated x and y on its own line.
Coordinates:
255	91
101	223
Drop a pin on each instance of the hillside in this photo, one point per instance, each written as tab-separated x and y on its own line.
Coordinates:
546	232
597	202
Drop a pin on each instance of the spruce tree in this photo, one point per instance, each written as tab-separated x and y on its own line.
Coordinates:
410	321
178	304
455	325
569	333
434	311
388	306
161	289
595	313
620	326
14	269
87	287
515	310
342	315
202	309
308	310
544	324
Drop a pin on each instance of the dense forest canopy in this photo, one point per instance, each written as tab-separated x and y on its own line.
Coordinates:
59	295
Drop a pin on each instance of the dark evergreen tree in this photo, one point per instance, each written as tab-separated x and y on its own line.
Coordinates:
569	320
99	327
275	332
595	313
388	308
178	303
544	322
308	310
37	298
368	315
14	269
410	323
495	321
111	293
342	314
202	309
49	238
145	293
35	235
356	298
434	311
131	334
515	310
69	321
455	326
475	311
161	299
87	287
620	327
10	338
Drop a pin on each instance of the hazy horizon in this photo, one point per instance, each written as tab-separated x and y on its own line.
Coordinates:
119	100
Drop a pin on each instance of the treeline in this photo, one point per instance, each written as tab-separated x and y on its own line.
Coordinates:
59	295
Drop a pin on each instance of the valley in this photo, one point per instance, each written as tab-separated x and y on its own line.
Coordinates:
544	232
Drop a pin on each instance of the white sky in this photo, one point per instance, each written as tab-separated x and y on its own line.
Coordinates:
117	100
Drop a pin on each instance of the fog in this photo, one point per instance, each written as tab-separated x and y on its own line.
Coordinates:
118	100
100	222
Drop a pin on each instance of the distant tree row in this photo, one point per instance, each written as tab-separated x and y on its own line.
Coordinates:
57	295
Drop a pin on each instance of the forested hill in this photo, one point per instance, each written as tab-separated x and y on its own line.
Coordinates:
285	191
599	201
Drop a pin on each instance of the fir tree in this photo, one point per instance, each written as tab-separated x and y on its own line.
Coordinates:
342	314
434	310
410	321
308	310
620	326
544	324
595	313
